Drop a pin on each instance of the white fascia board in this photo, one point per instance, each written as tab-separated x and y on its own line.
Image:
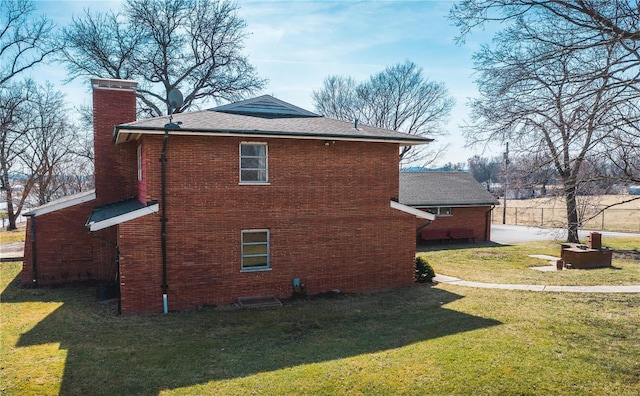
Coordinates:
99	225
62	203
416	212
402	142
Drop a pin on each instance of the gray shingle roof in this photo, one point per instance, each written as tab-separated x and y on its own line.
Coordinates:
442	189
118	212
266	117
108	211
265	105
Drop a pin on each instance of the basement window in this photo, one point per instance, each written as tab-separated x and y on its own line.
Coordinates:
253	163
255	250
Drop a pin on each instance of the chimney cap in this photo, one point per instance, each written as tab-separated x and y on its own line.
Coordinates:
112	83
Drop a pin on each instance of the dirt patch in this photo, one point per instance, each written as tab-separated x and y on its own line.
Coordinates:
627	254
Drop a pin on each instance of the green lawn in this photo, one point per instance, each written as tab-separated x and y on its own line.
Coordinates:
12	236
493	263
422	340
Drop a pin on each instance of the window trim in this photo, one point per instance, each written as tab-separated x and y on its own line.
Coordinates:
243	244
266	168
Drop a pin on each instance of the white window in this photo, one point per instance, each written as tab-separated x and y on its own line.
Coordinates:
255	250
139	162
253	163
440	210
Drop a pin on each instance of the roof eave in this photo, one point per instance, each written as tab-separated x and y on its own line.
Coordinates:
449	204
412	211
136	130
151	208
62	203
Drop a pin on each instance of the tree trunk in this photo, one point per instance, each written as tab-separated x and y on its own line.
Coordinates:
572	215
10	212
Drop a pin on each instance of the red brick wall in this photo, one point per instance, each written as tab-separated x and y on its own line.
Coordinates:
115	165
327	209
472	217
65	251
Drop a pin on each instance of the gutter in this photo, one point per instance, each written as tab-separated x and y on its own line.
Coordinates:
269	134
450	205
487	222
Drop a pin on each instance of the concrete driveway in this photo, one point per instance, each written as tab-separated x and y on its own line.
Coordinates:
506	234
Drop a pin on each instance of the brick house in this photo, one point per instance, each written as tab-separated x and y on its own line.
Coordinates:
461	205
254	198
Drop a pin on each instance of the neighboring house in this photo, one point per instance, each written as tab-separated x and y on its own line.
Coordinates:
254	198
461	205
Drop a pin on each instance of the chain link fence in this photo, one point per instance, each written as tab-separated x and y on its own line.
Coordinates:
621	220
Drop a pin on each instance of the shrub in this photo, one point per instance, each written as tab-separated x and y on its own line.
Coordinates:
424	271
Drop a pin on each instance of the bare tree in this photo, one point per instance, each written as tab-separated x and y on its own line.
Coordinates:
398	98
562	82
337	98
484	170
49	158
35	146
558	110
586	23
194	45
12	113
25	41
623	151
450	166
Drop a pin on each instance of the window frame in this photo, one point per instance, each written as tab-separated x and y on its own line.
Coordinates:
437	210
266	163
267	243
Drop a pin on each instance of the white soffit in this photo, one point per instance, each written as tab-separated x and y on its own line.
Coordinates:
416	212
62	203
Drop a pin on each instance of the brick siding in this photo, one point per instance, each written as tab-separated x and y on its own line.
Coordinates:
327	209
326	206
115	165
65	251
474	218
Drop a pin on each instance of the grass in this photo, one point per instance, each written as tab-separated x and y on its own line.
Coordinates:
498	264
12	236
421	340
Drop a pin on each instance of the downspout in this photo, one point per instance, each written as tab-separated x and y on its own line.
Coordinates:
487	223
175	100
163	219
34	267
118	279
418	236
424	225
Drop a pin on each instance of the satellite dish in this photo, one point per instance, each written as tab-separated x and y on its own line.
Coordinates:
175	99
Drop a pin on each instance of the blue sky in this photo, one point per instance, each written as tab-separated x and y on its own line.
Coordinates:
296	44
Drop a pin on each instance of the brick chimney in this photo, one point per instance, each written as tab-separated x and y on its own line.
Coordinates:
114	102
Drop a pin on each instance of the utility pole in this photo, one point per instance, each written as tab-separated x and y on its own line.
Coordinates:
505	184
